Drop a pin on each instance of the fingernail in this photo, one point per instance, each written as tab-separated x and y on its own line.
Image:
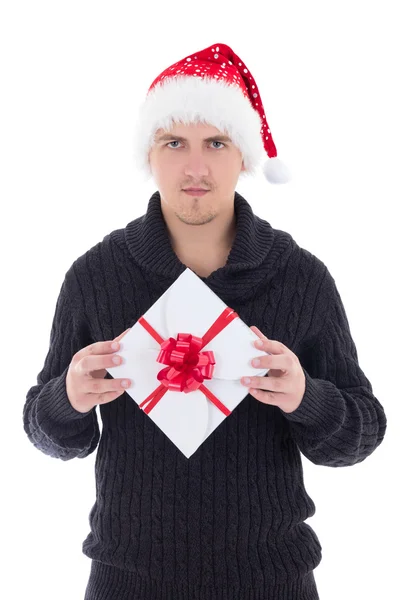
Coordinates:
256	362
258	343
125	383
246	380
115	345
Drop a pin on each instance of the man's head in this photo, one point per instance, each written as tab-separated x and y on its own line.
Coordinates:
195	161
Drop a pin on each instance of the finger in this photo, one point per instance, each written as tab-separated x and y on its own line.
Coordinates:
121	335
258	332
282	362
266	342
104	386
263	338
109	396
266	384
265	396
99	347
271	346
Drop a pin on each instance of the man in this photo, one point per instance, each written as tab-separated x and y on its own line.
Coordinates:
229	521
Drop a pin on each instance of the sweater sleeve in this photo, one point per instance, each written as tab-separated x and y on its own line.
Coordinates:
50	421
339	421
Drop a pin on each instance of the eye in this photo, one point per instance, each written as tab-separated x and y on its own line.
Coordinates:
177	142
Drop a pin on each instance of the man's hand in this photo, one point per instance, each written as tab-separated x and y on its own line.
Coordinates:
285	382
86	385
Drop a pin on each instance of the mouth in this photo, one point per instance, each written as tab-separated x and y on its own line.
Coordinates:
195	190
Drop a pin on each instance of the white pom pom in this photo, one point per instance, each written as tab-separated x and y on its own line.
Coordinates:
276	171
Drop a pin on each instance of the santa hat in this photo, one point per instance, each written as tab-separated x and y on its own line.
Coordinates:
214	87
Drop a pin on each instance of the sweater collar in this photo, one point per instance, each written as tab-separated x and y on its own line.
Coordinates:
148	241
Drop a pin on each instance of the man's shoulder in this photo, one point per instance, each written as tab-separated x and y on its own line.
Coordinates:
307	281
299	257
98	255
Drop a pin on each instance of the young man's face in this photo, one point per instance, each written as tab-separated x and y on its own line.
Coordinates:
195	162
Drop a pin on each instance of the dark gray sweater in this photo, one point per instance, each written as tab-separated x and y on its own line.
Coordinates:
227	523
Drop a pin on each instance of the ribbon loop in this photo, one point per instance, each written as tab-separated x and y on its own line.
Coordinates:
187	367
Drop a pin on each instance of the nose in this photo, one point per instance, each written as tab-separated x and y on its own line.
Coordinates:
196	168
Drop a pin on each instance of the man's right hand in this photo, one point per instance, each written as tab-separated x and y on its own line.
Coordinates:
85	381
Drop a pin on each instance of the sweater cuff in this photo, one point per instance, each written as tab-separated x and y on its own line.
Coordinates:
321	405
54	405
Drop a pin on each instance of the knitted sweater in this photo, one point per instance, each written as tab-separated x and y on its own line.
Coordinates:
227	523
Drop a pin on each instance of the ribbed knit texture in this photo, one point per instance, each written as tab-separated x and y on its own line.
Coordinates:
227	523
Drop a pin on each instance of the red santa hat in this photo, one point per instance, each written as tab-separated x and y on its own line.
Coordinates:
214	87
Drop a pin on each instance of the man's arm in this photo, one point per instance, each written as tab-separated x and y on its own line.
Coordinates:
50	421
339	421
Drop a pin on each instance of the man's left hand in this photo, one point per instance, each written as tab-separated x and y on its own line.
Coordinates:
284	384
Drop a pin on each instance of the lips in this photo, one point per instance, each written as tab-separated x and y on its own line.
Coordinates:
195	190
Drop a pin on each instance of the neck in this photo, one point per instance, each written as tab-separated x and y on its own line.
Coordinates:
204	248
255	249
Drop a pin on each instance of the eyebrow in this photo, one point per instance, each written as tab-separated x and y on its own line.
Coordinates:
214	138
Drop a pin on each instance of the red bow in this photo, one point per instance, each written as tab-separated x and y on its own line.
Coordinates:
187	366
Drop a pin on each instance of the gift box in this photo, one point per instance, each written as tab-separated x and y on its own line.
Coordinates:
185	358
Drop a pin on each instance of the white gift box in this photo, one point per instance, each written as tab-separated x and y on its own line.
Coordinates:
188	306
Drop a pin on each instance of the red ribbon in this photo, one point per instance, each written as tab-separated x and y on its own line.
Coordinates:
187	365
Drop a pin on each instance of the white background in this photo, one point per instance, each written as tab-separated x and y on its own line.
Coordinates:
72	77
